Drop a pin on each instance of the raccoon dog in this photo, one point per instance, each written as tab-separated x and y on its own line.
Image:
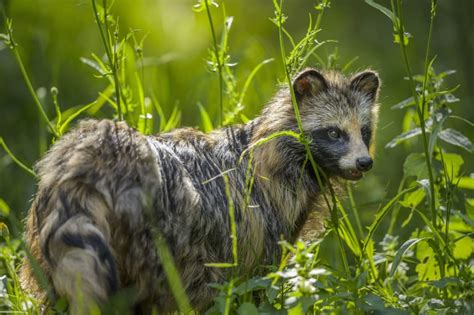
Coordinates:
106	192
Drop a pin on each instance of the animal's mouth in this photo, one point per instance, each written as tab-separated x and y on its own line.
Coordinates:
351	174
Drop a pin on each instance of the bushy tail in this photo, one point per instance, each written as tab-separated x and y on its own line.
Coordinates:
91	182
71	242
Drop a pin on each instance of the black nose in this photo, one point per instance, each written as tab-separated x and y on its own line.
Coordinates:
364	163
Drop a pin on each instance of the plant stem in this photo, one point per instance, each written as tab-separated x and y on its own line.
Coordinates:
305	142
287	74
320	16
354	209
401	34
26	78
218	61
111	57
14	158
396	210
426	63
448	198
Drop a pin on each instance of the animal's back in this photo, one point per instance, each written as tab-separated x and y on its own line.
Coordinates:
106	192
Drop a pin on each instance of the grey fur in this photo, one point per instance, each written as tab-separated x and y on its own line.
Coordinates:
105	190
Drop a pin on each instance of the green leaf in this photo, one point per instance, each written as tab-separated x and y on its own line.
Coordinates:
253	284
415	165
302	306
387	12
74	112
401	251
349	238
409	217
413	199
247	308
434	231
220	265
102	99
409	102
438	119
405	103
370	254
101	68
460	222
266	308
453	163
403	137
244	118
446	73
296	310
456	138
466	183
205	119
173	121
4	37
445	282
427	268
374	304
425	184
171	273
409	120
380	215
272	293
463	248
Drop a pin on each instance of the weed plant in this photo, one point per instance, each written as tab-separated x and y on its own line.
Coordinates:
429	272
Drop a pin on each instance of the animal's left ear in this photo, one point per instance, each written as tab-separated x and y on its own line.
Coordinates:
367	82
309	83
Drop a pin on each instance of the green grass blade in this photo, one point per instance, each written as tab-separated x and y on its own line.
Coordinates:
15	159
205	119
381	214
250	78
401	251
172	274
74	115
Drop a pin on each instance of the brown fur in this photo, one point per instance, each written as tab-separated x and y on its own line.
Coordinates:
107	191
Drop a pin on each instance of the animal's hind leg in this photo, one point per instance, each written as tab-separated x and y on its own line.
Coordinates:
75	242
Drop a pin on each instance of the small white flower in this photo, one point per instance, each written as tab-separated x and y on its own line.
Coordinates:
306	286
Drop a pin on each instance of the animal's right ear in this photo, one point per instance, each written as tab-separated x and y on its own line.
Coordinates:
367	82
309	83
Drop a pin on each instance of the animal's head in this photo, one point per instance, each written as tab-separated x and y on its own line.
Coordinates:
339	115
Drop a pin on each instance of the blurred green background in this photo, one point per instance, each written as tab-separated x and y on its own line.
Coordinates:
54	34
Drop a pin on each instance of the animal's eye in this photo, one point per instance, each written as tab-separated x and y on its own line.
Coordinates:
334	134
